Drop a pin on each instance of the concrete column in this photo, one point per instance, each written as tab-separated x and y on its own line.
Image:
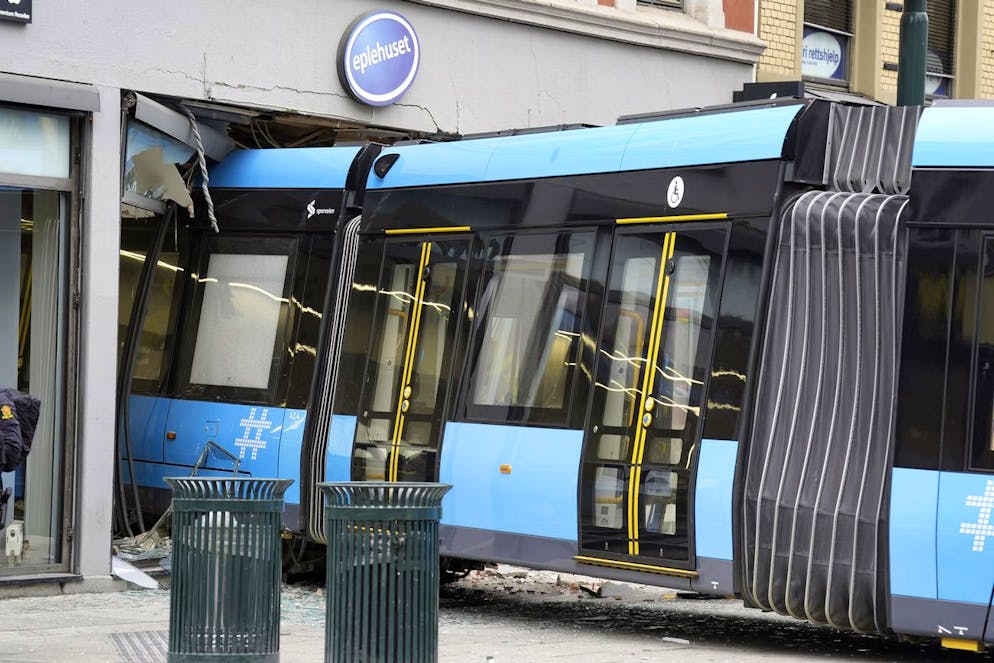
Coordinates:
98	338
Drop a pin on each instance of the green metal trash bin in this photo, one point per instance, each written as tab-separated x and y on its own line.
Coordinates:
225	592
382	580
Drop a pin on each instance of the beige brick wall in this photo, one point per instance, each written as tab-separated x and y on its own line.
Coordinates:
778	28
987	53
890	41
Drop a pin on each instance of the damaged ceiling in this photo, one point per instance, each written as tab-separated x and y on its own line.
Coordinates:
265	128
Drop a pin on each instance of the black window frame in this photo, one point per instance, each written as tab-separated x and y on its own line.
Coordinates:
980	455
239	244
159	386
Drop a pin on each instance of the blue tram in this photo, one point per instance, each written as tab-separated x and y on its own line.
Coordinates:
733	350
223	358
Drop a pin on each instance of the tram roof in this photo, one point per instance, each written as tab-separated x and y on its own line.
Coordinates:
701	139
955	137
288	168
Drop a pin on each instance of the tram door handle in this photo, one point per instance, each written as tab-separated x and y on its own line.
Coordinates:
171	435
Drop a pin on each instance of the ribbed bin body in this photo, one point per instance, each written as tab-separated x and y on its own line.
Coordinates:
225	592
382	582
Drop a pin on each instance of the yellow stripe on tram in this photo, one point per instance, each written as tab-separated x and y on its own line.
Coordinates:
617	563
407	352
633	485
655	338
419	310
412	342
717	216
426	231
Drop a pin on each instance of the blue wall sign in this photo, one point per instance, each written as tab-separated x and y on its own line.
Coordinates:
378	58
823	54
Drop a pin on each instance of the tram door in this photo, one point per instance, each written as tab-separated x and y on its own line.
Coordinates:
419	302
650	381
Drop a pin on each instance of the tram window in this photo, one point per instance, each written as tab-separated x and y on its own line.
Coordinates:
609	497
358	325
658	500
924	338
530	312
622	369
157	332
386	361
682	332
243	298
983	428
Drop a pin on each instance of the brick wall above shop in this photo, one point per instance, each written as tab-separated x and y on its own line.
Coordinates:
874	46
740	15
731	14
987	63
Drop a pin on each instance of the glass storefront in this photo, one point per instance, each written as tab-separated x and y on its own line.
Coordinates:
36	185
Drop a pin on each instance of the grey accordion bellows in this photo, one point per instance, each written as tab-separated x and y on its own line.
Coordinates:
870	148
323	409
813	512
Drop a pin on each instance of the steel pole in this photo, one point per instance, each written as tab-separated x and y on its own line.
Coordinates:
912	55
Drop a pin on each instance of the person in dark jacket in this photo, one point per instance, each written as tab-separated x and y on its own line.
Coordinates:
18	420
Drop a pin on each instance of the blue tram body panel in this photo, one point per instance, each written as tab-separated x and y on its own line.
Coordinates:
267	440
291	441
941	553
147	426
713	498
298	168
965	538
748	135
537	497
338	466
913	502
942	536
955	137
250	432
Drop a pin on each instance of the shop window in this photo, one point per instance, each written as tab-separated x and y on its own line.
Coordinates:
34	144
941	37
530	313
33	321
826	44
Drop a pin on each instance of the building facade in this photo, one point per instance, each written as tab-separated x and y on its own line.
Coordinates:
89	90
852	46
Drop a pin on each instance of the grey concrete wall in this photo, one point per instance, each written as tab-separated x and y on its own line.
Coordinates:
477	73
98	341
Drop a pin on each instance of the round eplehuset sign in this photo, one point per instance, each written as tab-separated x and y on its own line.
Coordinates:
378	58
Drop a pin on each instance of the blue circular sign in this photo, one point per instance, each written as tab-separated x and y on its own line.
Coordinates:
378	58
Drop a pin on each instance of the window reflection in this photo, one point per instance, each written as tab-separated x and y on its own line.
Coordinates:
242	302
136	240
32	322
531	310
